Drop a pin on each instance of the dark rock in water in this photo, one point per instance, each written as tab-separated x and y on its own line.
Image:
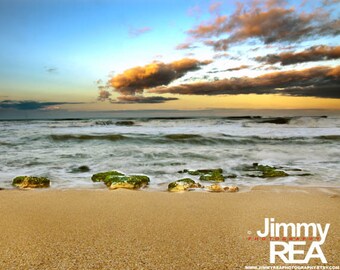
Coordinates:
278	120
231	176
214	175
183	185
104	123
182	136
304	174
81	169
125	123
115	180
31	182
2	188
265	171
177	163
206	171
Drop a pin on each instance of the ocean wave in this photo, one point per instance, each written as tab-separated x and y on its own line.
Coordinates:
330	137
192	138
83	137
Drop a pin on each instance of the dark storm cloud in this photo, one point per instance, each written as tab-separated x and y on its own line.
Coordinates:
316	53
316	82
141	99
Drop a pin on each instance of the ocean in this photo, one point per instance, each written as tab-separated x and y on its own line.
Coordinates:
161	147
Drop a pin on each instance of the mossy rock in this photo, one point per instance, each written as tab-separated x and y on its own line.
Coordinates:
266	171
31	182
127	182
115	180
183	185
214	176
204	171
100	177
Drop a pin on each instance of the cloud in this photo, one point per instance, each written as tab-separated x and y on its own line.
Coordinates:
103	93
316	53
215	70
51	70
135	32
136	79
238	68
215	7
316	82
185	46
32	105
141	99
268	21
195	11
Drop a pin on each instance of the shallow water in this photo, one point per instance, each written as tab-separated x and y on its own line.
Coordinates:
160	148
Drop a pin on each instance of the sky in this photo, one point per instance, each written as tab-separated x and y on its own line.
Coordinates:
99	55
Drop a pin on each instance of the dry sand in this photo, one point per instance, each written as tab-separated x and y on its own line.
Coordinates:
101	229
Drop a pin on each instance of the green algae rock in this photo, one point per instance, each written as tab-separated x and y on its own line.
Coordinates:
205	171
31	182
266	171
183	185
214	177
128	182
100	177
115	180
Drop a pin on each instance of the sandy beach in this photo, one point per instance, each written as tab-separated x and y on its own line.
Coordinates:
102	229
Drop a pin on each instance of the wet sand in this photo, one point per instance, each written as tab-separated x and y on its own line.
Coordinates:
102	229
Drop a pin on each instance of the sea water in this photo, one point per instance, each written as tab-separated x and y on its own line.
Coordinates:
56	148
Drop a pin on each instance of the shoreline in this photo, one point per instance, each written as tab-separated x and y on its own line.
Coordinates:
124	229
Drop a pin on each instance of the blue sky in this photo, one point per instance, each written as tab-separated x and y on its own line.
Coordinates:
56	50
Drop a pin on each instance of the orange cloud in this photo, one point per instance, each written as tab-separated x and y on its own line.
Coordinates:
269	21
136	79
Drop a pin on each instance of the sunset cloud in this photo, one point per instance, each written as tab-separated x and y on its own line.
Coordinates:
136	79
237	68
268	21
316	53
131	84
32	105
317	82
